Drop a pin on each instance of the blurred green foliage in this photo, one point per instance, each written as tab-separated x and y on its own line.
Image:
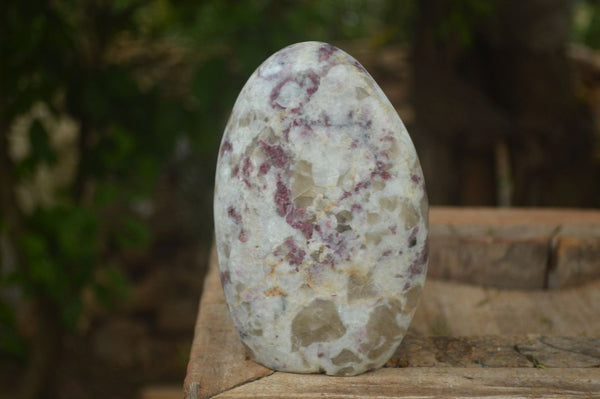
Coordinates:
58	54
135	76
138	78
460	17
586	23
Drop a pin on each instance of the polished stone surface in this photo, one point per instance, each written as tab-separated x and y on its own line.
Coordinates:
320	215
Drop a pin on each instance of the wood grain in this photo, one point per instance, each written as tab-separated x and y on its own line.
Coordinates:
465	341
515	247
428	383
217	360
458	309
512	216
498	351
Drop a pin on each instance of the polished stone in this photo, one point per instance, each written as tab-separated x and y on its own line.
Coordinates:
320	215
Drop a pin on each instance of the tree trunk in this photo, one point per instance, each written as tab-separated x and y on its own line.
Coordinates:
39	380
45	342
506	89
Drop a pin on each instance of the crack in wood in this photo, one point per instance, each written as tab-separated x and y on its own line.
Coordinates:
552	259
216	395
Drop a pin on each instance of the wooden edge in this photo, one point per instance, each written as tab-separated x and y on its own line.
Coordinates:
218	362
498	352
427	383
218	359
513	216
538	248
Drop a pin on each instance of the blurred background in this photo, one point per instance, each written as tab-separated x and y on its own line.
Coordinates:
111	113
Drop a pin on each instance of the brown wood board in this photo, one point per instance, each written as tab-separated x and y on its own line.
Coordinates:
428	383
484	347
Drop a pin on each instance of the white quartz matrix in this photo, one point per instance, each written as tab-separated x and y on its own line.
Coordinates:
320	215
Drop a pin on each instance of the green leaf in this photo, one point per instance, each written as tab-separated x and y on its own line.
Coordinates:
71	312
133	234
111	286
207	81
106	193
10	340
41	150
117	148
76	235
43	275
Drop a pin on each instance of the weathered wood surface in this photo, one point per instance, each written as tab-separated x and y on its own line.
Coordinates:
450	308
218	363
428	383
217	359
512	216
465	341
515	248
498	351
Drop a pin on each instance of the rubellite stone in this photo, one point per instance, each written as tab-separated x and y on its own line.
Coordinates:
320	215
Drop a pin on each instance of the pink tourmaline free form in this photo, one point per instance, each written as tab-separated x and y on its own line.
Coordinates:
321	215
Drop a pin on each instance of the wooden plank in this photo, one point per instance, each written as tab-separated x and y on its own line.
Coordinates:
515	248
218	360
428	383
451	308
489	255
576	256
486	343
561	352
160	392
513	216
498	351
